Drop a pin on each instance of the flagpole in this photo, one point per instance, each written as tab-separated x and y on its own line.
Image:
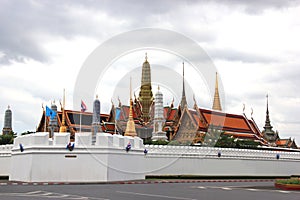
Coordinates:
45	122
115	121
80	122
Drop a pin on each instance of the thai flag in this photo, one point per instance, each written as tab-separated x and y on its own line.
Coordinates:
83	106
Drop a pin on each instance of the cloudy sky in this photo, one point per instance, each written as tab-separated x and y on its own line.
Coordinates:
254	45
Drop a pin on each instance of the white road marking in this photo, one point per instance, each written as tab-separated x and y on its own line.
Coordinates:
154	195
252	189
226	188
34	192
248	188
45	194
283	191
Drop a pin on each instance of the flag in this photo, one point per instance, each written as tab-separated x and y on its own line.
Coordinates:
128	147
83	106
50	113
70	146
21	147
118	113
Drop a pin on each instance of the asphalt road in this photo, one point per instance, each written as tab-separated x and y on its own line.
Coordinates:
176	191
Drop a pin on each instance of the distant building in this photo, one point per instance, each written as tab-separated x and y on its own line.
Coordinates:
7	122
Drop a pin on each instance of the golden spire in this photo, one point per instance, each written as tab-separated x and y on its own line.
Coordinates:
130	128
63	127
145	95
217	102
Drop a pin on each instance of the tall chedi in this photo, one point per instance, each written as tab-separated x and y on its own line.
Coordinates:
217	102
7	122
96	126
183	102
268	133
159	120
130	128
145	95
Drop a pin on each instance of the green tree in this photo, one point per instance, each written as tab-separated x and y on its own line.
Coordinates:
7	138
27	132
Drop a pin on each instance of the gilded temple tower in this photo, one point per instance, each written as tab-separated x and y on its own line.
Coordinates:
130	128
145	95
63	127
217	102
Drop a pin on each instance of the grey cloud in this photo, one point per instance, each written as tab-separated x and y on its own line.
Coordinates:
24	24
238	55
258	6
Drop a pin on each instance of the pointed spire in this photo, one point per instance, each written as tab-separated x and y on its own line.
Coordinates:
195	103
183	87
130	128
183	102
145	96
217	102
268	132
268	122
172	103
63	127
120	103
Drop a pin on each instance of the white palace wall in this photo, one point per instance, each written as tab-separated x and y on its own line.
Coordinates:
50	161
5	158
45	160
204	161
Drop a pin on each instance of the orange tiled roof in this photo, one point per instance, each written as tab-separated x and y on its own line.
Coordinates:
172	115
196	118
282	142
230	122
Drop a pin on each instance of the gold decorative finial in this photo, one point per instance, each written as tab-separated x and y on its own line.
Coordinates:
63	127
96	96
146	57
217	102
158	88
130	128
130	89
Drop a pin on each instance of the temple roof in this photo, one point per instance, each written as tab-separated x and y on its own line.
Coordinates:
73	120
228	122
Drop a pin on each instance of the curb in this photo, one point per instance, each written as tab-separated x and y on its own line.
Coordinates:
133	182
